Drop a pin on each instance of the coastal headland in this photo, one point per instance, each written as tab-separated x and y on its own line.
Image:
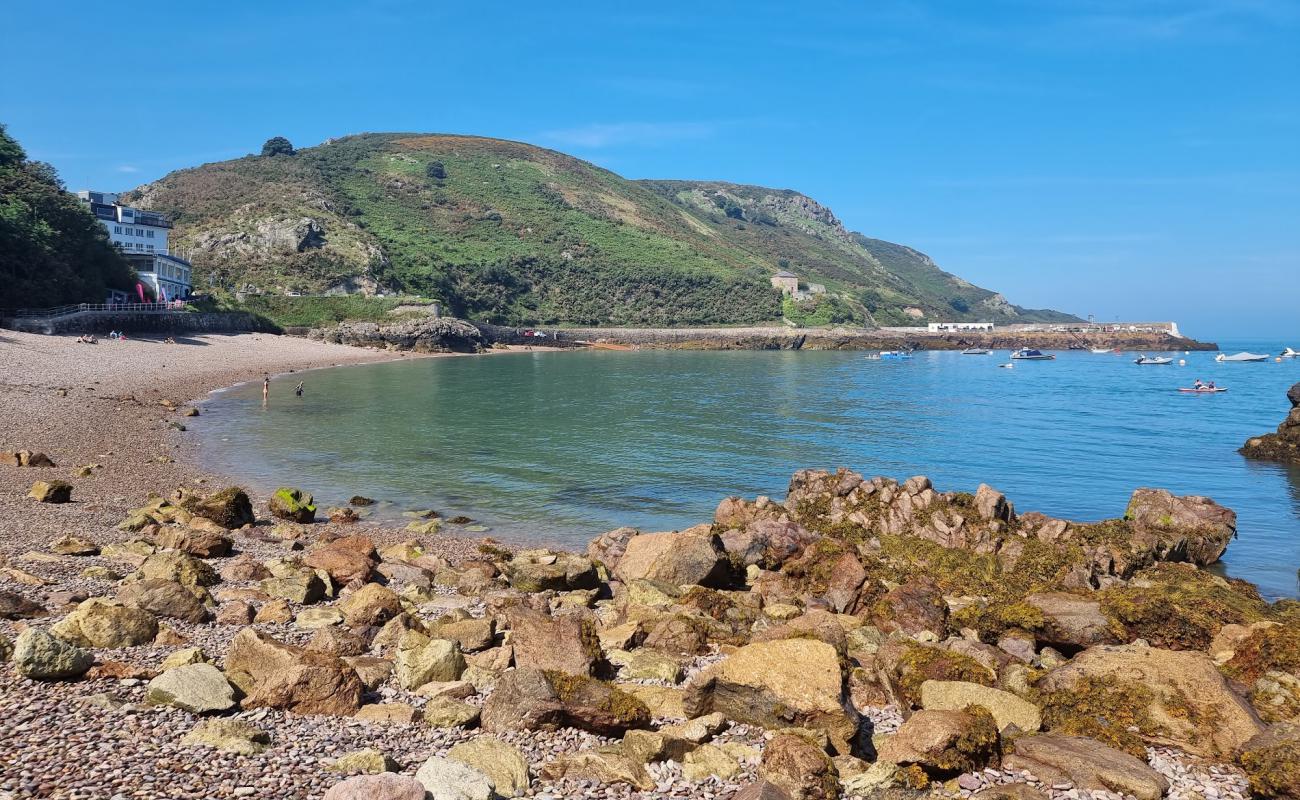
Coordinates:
168	635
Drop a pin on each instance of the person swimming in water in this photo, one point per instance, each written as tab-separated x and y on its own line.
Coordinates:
298	389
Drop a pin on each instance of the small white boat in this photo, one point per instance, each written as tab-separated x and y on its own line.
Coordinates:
1153	361
1031	354
975	351
896	355
1243	356
1101	350
1007	365
1289	353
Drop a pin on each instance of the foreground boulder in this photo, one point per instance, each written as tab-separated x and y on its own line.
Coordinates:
166	598
197	688
39	655
534	699
1271	761
106	623
504	765
1175	698
15	606
277	675
678	558
446	779
386	786
230	508
567	643
1284	445
547	570
51	492
1089	765
779	684
348	559
1007	709
1192	528
799	768
229	736
944	743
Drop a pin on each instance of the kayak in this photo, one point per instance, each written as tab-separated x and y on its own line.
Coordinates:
1215	390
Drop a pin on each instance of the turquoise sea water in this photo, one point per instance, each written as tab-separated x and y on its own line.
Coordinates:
557	447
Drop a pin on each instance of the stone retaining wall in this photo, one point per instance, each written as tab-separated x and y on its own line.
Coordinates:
101	322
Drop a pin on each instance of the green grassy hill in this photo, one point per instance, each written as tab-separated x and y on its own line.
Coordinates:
509	232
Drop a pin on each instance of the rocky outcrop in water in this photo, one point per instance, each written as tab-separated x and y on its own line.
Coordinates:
1283	445
420	336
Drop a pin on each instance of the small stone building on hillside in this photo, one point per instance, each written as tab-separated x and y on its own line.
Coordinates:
789	284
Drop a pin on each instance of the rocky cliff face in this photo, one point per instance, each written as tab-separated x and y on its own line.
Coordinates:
1283	445
420	336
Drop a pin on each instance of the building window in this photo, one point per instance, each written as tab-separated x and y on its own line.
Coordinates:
149	233
149	247
117	229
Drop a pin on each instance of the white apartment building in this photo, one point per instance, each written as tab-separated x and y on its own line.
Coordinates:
142	238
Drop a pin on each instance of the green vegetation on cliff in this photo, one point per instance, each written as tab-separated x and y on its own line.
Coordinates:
508	232
52	251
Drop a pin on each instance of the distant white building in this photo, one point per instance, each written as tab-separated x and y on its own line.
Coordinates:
142	238
939	327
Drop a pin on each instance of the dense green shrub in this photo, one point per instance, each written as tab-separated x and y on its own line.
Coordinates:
277	146
52	250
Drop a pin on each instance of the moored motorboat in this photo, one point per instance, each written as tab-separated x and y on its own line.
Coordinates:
1158	361
895	355
1101	350
975	351
1031	354
1203	390
1289	353
1243	357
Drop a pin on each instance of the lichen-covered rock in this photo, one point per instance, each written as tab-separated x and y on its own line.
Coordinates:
277	675
292	504
1007	709
709	761
1180	607
1194	528
504	764
446	712
607	764
230	508
51	492
534	699
196	542
372	604
426	335
302	586
676	558
787	683
567	643
945	743
1070	620
421	659
799	768
74	546
1271	761
197	688
1088	764
105	623
1175	698
39	655
166	598
548	570
179	567
368	761
229	736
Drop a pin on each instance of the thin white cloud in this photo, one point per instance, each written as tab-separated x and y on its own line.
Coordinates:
128	168
614	134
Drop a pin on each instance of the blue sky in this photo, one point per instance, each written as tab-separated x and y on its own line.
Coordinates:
1125	158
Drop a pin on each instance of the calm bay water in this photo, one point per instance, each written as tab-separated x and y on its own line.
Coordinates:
555	448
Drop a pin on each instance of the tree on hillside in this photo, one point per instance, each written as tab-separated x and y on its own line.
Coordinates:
52	250
277	146
436	170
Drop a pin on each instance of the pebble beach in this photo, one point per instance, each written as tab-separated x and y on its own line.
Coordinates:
671	620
